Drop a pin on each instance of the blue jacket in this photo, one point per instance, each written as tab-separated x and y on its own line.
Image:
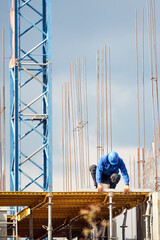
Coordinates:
105	167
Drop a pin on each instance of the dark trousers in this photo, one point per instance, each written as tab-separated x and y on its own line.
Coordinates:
112	180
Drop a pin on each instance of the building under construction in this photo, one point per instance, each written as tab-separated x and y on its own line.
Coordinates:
31	209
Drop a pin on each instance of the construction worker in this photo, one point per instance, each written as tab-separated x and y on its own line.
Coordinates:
107	171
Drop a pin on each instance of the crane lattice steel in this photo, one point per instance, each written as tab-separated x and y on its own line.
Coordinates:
30	95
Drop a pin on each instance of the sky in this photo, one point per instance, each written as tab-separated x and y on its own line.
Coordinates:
80	28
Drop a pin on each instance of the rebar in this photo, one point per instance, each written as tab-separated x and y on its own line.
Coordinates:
98	112
150	20
3	104
138	153
143	97
102	104
110	97
106	99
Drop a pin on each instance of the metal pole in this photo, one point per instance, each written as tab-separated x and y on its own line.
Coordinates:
63	142
98	123
110	216
69	129
3	105
70	231
156	77
131	179
124	224
73	80
149	13
16	223
147	218
110	98
31	226
87	138
16	82
1	186
75	104
143	97
106	99
50	217
14	228
138	162
137	101
66	147
102	104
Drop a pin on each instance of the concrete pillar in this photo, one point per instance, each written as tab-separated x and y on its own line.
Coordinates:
156	215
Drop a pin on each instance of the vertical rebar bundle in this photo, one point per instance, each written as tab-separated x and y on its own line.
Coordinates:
66	139
138	118
3	104
75	116
2	123
103	100
106	92
154	87
98	110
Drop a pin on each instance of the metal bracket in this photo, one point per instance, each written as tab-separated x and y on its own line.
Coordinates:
47	228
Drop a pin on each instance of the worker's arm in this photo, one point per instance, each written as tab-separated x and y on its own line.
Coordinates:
99	172
125	176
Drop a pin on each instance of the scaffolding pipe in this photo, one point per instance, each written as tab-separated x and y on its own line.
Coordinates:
50	229
31	226
147	219
70	231
124	225
16	223
14	229
3	104
110	216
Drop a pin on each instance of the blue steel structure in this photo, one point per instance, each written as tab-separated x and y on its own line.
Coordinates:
30	96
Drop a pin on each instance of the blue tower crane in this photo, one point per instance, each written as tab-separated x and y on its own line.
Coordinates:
30	96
